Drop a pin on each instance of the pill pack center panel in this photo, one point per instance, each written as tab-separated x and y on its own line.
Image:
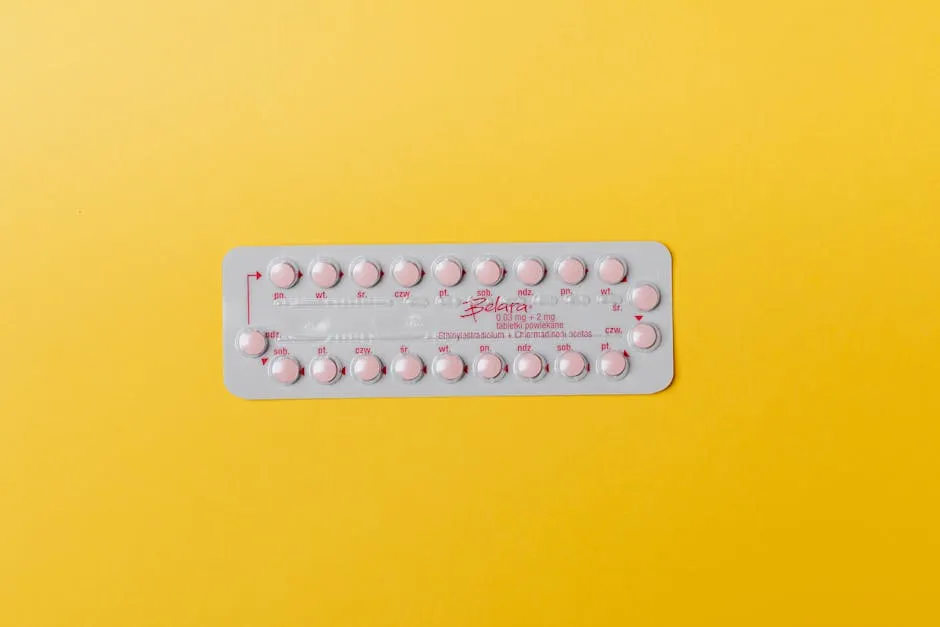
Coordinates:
512	319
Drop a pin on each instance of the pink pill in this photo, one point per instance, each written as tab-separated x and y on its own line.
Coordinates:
285	370
613	364
449	367
324	273
571	270
283	274
645	297
325	370
530	270
529	366
488	272
367	368
406	272
612	270
366	273
644	336
448	271
408	367
489	366
572	364
252	343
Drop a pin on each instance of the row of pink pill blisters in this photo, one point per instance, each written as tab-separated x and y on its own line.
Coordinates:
449	271
369	335
449	367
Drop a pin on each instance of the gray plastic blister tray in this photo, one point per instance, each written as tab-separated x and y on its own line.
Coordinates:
542	334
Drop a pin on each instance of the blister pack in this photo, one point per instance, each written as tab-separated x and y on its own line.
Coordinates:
510	319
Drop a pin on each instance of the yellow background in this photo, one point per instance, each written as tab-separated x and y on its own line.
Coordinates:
786	151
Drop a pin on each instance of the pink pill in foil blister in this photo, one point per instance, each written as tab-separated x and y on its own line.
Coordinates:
324	273
409	367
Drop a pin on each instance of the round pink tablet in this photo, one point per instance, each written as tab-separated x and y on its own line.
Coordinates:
285	370
409	368
644	336
530	270
572	364
488	271
324	273
529	365
367	368
325	370
613	364
645	297
612	270
406	272
571	270
449	367
365	273
448	271
283	274
489	366
252	343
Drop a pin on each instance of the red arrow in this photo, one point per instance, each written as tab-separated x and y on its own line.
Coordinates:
344	371
300	275
626	354
302	370
257	276
264	360
638	317
384	370
506	367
